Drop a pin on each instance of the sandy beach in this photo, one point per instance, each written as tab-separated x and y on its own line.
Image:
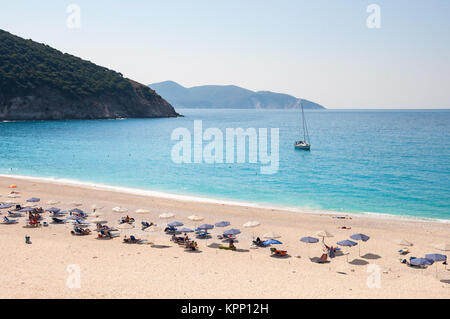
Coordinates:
112	269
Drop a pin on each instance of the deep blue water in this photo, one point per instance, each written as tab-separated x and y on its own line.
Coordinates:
394	162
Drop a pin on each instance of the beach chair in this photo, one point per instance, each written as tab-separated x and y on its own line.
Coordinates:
277	252
170	230
8	221
227	247
146	225
77	231
203	234
57	220
404	251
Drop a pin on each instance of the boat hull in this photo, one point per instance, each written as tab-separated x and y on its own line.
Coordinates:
303	147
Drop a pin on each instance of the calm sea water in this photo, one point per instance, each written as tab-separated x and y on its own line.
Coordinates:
394	162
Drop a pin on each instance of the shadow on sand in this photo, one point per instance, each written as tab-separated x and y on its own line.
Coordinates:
371	256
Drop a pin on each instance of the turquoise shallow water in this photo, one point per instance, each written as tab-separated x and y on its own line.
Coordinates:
393	162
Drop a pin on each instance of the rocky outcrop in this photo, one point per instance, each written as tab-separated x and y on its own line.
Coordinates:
38	82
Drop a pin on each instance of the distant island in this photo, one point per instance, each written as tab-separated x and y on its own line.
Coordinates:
38	82
227	96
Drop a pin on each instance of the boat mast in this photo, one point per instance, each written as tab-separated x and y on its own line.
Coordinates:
305	127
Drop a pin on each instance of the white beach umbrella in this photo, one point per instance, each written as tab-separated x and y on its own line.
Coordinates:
324	233
119	209
76	204
195	218
404	242
271	235
11	201
99	220
166	215
29	205
142	211
97	207
13	196
443	246
125	226
252	224
52	202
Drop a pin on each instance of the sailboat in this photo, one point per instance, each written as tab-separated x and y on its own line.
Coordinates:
305	144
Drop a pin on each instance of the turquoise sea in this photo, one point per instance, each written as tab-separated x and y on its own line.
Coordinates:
392	162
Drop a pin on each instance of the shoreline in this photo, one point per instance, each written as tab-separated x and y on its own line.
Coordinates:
163	269
209	200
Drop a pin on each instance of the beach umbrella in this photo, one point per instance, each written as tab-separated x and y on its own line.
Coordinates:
347	243
166	215
323	234
175	224
26	210
272	242
185	230
271	235
205	226
52	202
125	226
443	247
309	240
53	210
76	210
119	209
13	196
252	224
231	232
11	201
222	224
97	207
196	218
404	242
76	204
420	261
29	205
5	206
142	211
436	257
12	186
361	237
99	221
33	200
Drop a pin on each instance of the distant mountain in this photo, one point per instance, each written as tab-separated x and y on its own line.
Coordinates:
38	82
227	96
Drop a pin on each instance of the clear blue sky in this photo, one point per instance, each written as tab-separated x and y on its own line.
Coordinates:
319	50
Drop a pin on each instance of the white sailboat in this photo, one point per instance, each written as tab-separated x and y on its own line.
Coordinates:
305	144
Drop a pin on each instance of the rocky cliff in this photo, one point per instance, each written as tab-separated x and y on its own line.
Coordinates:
38	82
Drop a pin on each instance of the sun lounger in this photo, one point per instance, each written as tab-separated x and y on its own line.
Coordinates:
8	221
277	252
77	231
404	251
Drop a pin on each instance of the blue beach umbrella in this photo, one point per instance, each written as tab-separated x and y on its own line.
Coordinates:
33	200
175	224
5	206
420	261
26	210
53	210
347	243
205	226
309	240
272	242
231	232
185	230
436	257
223	224
76	210
361	237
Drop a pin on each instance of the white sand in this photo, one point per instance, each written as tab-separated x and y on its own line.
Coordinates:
111	269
